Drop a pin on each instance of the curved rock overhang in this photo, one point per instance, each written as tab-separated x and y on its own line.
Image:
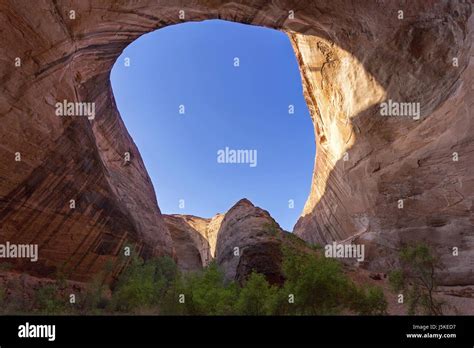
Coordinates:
352	56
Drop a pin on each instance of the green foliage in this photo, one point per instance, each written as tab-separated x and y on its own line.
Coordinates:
320	287
417	279
257	297
48	300
317	247
396	280
369	300
272	228
314	285
317	283
295	240
94	299
142	284
207	293
5	266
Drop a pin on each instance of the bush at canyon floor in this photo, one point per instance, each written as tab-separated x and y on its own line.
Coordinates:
314	285
416	278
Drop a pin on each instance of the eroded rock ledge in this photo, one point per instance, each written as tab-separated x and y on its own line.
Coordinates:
352	56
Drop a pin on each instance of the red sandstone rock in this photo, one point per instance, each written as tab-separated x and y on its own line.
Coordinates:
352	56
248	240
190	241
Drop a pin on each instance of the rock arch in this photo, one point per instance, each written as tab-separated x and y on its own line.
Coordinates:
352	57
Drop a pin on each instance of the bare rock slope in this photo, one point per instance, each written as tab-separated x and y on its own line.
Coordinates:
248	240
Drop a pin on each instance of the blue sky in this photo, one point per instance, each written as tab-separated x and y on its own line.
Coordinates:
242	108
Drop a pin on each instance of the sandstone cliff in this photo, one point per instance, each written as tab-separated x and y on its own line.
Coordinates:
352	57
366	163
248	240
194	239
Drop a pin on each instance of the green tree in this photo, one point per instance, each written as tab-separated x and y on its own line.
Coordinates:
417	279
143	283
368	300
256	296
319	286
207	293
317	283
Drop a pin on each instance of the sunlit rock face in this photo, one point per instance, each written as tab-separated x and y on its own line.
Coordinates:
194	239
367	163
190	244
352	57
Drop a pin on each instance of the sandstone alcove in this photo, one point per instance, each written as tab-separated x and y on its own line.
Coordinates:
351	58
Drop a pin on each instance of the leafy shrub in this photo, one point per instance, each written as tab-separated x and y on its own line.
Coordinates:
317	283
320	287
417	279
48	300
369	300
314	285
257	297
142	284
207	293
272	228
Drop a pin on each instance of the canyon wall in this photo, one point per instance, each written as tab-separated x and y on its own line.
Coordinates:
352	56
397	180
194	239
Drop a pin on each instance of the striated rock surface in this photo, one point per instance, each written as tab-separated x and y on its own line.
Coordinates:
367	163
245	239
192	240
250	240
192	249
352	56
